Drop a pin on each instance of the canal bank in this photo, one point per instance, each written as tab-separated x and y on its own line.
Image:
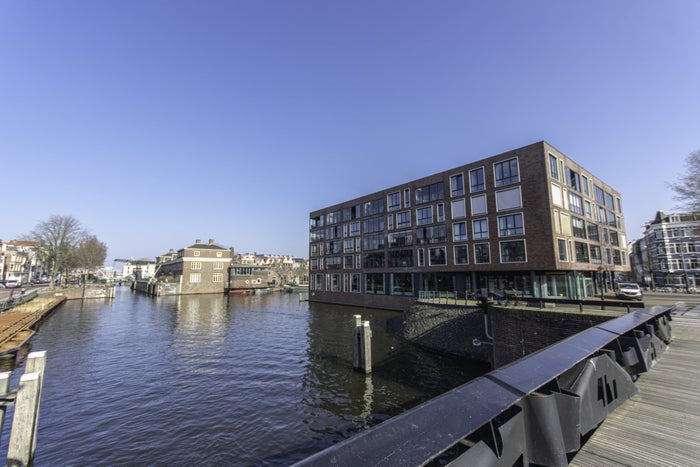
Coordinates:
218	379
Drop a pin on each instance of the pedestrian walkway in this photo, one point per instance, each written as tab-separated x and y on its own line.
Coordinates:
659	425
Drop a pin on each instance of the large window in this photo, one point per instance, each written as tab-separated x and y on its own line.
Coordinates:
592	230
195	278
479	205
480	229
513	251
403	219
401	284
400	239
461	253
393	201
578	227
482	254
373	242
508	199
457	185
581	252
437	256
510	225
561	245
218	277
459	208
506	172
374	225
553	167
374	283
424	215
196	265
574	180
430	193
354	283
352	212
434	234
374	207
575	203
459	231
476	179
374	260
401	258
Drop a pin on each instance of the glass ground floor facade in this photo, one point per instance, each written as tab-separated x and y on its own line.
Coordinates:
569	285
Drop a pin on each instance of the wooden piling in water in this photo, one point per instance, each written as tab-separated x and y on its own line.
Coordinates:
20	449
362	345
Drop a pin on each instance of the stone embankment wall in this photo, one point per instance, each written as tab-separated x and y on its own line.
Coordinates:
511	333
449	329
521	331
77	292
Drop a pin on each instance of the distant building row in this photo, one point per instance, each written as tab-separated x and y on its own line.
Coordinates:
210	268
19	262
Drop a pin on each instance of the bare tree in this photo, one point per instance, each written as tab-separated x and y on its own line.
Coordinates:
88	254
687	187
56	237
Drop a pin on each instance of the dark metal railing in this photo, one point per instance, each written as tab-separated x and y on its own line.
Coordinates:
534	410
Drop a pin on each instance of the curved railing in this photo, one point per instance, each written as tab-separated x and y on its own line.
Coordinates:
534	410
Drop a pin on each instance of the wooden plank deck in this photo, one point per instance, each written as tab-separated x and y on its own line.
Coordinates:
659	426
16	323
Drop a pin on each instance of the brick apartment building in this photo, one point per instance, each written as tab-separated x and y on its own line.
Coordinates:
529	220
196	269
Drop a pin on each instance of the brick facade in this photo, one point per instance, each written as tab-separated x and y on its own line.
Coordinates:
385	248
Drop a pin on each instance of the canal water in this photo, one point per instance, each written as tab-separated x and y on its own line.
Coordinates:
218	380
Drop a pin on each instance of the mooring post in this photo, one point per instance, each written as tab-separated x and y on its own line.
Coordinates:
36	363
4	390
356	347
362	339
19	450
366	347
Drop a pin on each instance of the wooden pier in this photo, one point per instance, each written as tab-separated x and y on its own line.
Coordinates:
659	425
17	323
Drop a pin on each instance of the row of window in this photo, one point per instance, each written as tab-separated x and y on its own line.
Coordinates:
196	277
508	226
506	200
198	265
505	173
512	251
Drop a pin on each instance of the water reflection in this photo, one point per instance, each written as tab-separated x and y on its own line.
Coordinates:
218	380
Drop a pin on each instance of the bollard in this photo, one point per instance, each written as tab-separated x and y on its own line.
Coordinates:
362	338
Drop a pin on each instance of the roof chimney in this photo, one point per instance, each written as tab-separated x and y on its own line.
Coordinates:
211	241
197	242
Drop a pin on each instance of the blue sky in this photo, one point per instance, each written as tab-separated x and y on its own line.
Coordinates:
155	123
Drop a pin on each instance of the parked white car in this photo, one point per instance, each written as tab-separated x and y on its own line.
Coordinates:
629	290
